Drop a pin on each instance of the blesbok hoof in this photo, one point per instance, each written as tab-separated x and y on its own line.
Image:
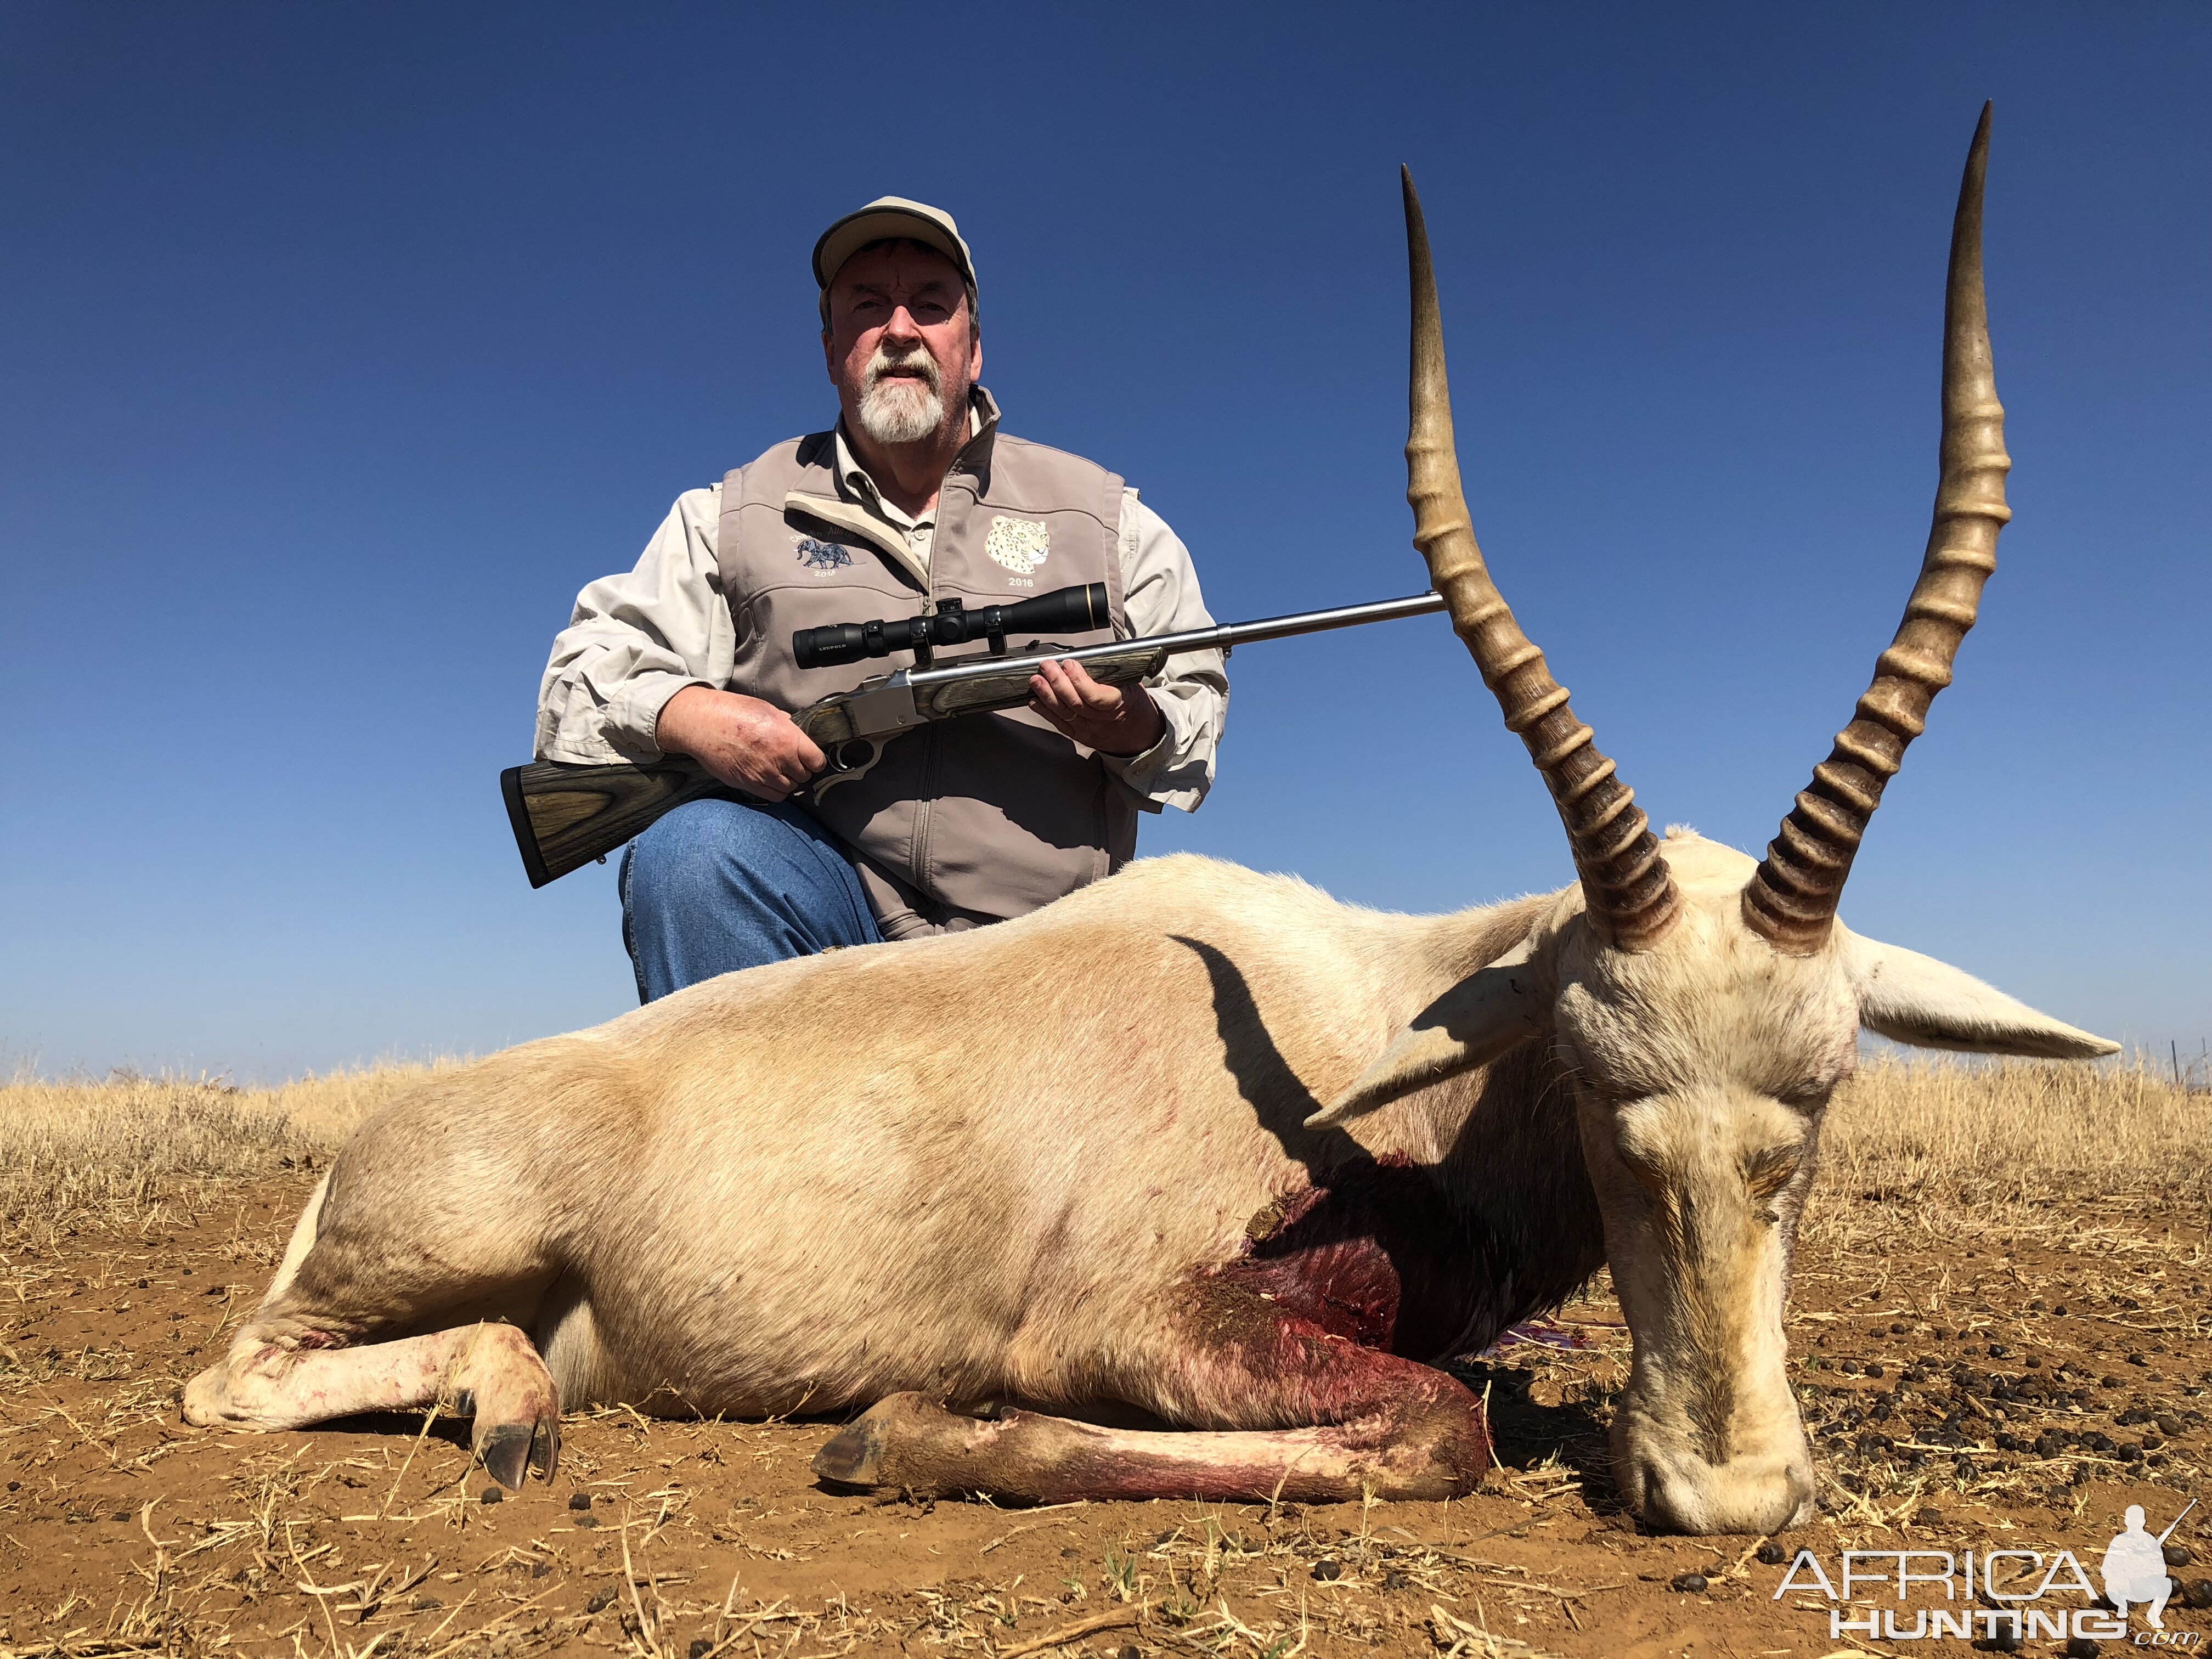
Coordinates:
506	1453
498	1378
906	1441
511	1450
854	1456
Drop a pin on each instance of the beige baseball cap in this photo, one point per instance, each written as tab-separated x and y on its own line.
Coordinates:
886	217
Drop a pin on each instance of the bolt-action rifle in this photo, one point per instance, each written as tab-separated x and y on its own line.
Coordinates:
564	817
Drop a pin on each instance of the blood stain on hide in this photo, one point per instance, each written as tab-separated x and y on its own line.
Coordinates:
1371	1254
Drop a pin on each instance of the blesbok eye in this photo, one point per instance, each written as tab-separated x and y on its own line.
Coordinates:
1807	1096
1767	1172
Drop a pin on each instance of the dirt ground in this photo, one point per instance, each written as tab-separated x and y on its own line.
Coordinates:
2009	1391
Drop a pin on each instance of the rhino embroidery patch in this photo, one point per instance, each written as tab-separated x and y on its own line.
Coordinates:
1017	544
822	555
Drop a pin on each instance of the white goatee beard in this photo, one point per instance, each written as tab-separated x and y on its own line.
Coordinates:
900	411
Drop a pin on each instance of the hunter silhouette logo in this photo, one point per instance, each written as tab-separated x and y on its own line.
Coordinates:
2135	1567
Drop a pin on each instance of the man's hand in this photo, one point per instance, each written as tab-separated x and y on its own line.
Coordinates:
748	744
1114	720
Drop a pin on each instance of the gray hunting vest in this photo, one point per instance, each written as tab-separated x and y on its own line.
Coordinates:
991	815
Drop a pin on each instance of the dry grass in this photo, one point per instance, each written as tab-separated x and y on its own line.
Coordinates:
1968	1145
116	1149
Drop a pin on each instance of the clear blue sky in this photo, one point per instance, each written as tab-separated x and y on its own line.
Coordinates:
340	344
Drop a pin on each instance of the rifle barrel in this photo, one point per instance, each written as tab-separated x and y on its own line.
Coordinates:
1199	638
2177	1521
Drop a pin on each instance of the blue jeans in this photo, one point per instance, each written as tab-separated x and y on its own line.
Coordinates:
717	885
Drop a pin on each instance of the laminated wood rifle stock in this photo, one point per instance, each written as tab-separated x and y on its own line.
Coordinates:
564	817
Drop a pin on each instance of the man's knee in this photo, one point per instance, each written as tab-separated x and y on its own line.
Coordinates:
715	885
695	853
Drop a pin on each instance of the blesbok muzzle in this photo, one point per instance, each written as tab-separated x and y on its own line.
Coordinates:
1676	1488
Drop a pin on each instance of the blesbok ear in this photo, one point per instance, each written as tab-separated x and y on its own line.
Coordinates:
1491	1011
1910	998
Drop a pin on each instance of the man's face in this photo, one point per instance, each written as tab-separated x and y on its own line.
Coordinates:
901	349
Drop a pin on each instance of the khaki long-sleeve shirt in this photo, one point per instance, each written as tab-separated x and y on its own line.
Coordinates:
637	639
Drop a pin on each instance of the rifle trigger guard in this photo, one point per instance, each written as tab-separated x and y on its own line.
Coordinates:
849	760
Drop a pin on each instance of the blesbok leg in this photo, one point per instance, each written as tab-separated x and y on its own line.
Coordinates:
487	1372
1377	1423
352	1323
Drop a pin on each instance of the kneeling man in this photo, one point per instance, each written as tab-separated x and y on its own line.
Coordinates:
916	496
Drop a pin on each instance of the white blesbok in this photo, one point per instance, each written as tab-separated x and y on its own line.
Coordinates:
1173	1187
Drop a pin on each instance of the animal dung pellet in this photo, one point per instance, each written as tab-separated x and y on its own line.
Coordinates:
2081	1647
1772	1554
579	1500
701	1646
492	1495
1688	1583
1326	1571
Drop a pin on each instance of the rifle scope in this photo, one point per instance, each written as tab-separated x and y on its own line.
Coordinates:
1077	609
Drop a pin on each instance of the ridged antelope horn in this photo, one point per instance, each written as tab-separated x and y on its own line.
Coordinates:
1626	886
1791	898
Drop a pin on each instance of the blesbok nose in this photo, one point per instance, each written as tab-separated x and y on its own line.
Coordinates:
1754	1494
